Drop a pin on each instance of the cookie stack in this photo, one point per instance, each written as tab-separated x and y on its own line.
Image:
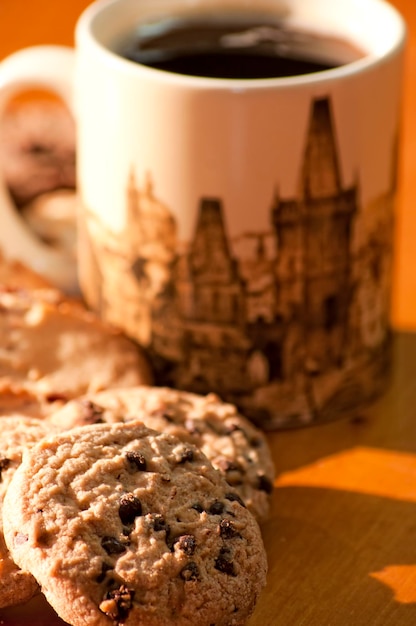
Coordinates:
18	435
123	503
52	350
120	524
37	161
234	446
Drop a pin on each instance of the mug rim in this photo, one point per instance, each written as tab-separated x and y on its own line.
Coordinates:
84	35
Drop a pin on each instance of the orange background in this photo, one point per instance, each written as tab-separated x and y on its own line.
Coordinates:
30	22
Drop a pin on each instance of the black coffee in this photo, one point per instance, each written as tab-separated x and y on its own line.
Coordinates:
231	46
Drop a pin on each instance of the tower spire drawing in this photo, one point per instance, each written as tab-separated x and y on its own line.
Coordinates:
320	174
314	234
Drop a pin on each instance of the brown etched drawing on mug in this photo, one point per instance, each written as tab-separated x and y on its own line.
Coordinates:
124	272
292	320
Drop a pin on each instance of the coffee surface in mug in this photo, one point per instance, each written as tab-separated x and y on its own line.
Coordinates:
236	46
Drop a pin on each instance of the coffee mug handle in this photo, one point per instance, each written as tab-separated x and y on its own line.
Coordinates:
39	67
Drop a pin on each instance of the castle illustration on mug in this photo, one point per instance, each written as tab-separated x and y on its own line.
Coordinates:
292	319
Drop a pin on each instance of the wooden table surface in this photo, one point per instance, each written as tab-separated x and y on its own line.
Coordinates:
341	539
31	22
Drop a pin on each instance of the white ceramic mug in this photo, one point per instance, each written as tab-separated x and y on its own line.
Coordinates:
240	230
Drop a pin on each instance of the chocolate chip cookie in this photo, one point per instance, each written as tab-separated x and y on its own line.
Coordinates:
123	525
18	402
37	149
53	348
17	275
232	443
17	434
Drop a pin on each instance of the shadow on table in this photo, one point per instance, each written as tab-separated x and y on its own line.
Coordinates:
324	548
36	612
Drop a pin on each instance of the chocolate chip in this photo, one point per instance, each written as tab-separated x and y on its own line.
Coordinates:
234	497
136	461
104	569
227	529
130	507
118	603
198	507
190	571
233	471
216	508
185	455
112	545
4	464
264	484
158	522
91	412
167	415
44	538
224	564
232	428
225	465
185	543
56	397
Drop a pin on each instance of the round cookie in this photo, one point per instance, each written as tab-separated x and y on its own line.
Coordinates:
17	434
37	160
123	525
17	275
231	442
52	217
18	403
37	149
53	348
